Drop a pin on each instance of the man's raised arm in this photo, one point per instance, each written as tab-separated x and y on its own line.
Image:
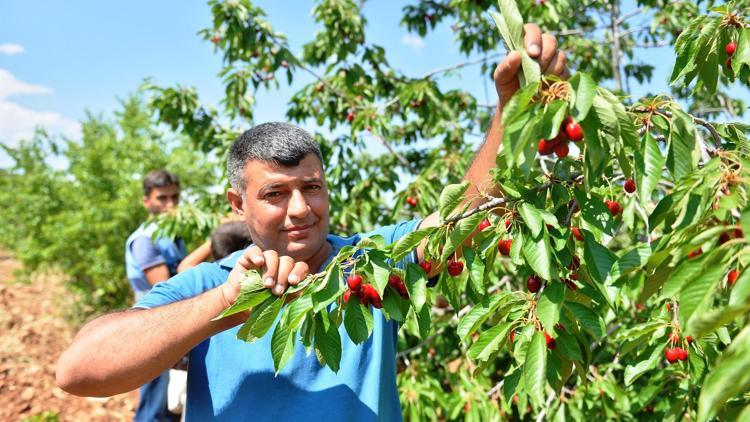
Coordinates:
541	47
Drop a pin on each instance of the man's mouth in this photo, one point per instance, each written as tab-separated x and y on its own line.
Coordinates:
298	232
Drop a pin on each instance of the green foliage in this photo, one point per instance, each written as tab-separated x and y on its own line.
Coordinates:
75	219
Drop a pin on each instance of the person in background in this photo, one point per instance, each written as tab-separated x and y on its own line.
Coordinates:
150	261
229	237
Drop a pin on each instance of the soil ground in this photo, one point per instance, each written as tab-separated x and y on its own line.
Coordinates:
34	334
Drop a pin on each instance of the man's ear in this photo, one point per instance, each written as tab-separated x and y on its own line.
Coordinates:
235	200
144	201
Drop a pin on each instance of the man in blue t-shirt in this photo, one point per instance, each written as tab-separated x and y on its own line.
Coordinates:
279	191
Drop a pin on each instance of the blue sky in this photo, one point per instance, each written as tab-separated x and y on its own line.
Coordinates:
59	59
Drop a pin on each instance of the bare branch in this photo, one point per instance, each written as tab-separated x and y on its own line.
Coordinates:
629	15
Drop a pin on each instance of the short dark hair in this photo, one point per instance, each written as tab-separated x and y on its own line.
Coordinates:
229	237
275	142
158	179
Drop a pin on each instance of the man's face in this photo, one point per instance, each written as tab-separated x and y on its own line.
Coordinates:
161	200
285	208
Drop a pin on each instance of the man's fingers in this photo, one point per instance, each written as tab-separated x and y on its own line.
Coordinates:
532	39
298	273
549	51
271	268
286	264
507	71
251	258
557	65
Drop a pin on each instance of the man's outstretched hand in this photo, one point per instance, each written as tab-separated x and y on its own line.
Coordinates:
542	48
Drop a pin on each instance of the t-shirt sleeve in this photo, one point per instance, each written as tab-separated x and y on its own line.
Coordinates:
185	285
395	232
145	253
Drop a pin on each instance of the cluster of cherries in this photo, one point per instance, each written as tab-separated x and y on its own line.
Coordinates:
365	293
675	353
398	284
570	130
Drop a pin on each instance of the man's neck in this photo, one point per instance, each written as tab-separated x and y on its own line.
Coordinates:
316	261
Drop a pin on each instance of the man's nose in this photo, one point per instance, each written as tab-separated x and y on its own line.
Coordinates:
298	206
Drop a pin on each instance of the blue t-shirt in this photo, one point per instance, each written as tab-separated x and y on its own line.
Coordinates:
231	380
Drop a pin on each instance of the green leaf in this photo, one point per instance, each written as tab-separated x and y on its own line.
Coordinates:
648	164
598	258
548	305
585	91
463	229
706	323
696	294
539	256
535	369
328	340
333	286
682	157
589	320
358	321
282	346
416	285
252	293
519	104
510	24
479	313
729	377
532	217
633	372
296	311
741	288
489	342
408	243
476	269
450	198
380	269
261	319
554	114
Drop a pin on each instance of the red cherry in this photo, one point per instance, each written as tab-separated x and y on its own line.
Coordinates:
284	64
412	201
508	223
575	263
372	294
394	280
732	277
512	336
671	355
738	233
682	354
574	276
728	63
533	283
574	131
577	234
550	341
731	48
629	186
504	246
426	266
614	207
484	224
354	282
215	39
571	285
724	238
546	147
363	298
689	339
695	253
347	295
455	268
350	116
669	307
561	150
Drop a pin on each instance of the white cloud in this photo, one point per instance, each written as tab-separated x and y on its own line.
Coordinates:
10	86
413	41
11	49
18	122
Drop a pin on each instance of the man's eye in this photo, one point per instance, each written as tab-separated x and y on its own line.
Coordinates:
312	187
273	194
